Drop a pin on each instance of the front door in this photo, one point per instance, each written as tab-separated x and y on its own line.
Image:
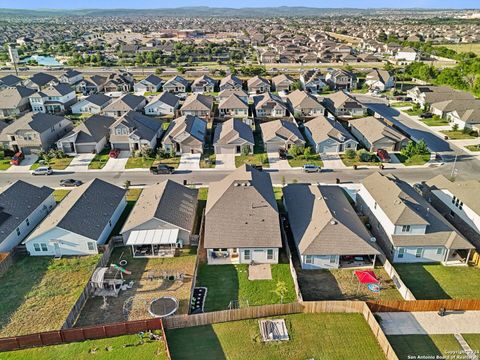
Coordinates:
259	256
56	249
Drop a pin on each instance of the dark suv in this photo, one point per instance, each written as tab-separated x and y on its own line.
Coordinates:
162	169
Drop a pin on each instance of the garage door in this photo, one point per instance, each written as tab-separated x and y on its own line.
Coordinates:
225	150
85	149
328	148
121	146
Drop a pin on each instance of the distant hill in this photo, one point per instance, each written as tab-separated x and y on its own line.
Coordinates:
204	11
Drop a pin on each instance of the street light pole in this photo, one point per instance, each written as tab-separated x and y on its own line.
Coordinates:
454	164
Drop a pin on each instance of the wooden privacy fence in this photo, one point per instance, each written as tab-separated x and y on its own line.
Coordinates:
80	334
423	305
399	284
87	290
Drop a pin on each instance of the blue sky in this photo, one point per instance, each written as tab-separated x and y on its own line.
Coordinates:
76	4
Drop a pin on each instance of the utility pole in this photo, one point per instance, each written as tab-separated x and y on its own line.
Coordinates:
14	58
454	170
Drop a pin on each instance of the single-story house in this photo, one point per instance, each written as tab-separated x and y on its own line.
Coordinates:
328	233
204	84
303	104
93	104
233	106
162	219
342	104
258	85
225	94
231	82
379	79
282	82
124	104
198	105
242	224
14	101
232	136
165	103
185	134
177	84
10	81
269	105
81	222
281	134
374	134
151	83
90	136
329	136
22	207
91	85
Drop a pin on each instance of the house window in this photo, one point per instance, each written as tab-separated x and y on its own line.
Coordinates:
269	254
27	221
36	247
419	253
460	207
18	231
439	251
110	223
246	254
333	259
91	246
453	199
375	205
406	228
401	252
309	259
44	247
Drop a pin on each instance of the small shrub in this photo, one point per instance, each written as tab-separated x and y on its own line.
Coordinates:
245	150
364	156
455	127
350	154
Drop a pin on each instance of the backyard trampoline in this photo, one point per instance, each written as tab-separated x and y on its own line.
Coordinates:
162	307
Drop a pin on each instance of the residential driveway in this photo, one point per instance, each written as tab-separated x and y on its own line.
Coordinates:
189	162
454	322
332	161
80	163
24	165
225	161
117	164
274	159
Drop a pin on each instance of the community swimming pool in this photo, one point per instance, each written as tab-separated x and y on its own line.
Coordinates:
42	60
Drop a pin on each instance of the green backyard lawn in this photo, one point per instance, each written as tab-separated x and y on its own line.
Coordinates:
230	282
121	347
39	292
424	345
434	281
329	336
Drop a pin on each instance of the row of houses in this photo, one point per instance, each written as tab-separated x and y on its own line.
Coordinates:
331	227
458	107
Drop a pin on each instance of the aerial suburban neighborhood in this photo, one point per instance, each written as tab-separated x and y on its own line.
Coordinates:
246	181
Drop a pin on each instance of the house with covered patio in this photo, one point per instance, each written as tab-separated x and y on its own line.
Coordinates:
242	224
327	232
162	220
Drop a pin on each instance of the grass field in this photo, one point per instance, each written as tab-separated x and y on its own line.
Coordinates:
357	161
173	161
432	346
121	347
312	336
55	164
435	121
473	340
230	282
39	292
433	281
458	135
139	162
475	48
473	147
413	160
413	112
4	164
398	104
60	194
299	161
99	161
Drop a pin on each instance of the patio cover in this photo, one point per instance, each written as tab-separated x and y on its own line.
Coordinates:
153	237
366	277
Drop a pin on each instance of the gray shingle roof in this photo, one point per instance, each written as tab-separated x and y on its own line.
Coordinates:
98	99
93	129
241	211
11	97
42	79
86	210
324	223
144	126
35	121
167	201
231	130
17	202
10	80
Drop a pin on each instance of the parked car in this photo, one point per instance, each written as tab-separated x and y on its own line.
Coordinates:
114	153
17	158
70	183
162	169
282	154
5	68
309	168
383	155
43	170
426	115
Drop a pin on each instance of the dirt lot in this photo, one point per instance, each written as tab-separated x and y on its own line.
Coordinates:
144	288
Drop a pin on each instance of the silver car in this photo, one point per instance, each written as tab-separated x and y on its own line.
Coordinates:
309	168
43	170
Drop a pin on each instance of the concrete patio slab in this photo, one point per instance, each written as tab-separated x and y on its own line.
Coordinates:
259	272
429	322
